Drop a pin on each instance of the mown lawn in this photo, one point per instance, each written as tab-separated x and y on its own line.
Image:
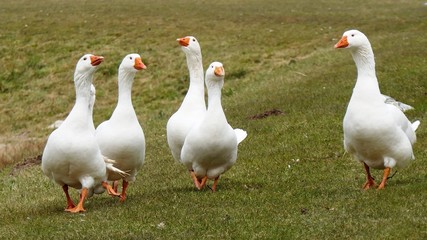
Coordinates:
292	179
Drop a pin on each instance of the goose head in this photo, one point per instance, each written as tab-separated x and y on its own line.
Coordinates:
189	44
360	49
85	68
87	64
132	63
215	74
353	39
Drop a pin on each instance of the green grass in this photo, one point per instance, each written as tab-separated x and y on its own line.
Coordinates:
292	179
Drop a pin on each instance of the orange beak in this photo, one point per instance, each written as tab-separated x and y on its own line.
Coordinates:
219	71
139	65
185	41
343	43
96	60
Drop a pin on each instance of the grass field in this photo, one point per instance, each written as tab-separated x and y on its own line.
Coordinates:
292	179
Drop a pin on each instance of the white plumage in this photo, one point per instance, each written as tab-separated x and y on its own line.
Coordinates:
121	137
193	106
210	147
375	132
71	156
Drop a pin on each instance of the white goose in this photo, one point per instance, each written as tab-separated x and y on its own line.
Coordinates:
193	106
121	137
71	156
210	147
376	133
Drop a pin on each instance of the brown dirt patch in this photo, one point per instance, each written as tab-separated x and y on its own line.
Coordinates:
272	112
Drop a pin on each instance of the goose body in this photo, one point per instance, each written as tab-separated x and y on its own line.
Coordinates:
210	148
71	156
376	133
121	137
193	106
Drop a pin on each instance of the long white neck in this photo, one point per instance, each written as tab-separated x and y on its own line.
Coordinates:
196	92
364	58
125	87
124	106
81	112
214	97
365	63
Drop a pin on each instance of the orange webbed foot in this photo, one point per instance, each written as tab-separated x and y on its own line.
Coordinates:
369	184
110	189
76	209
79	207
70	206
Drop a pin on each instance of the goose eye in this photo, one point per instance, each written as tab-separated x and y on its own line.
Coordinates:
85	58
130	58
194	40
352	35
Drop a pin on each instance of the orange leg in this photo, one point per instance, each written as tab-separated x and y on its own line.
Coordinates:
370	180
123	195
195	180
79	207
110	190
70	203
203	183
215	184
385	176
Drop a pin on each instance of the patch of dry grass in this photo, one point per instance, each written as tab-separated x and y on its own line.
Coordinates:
17	148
